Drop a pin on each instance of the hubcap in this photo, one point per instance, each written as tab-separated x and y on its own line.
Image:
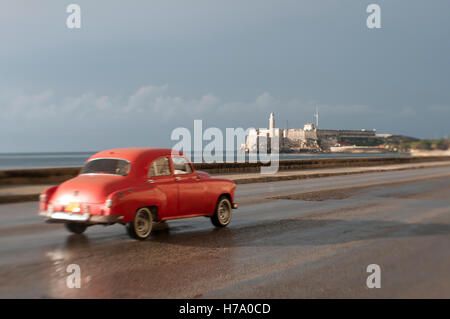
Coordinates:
224	212
142	222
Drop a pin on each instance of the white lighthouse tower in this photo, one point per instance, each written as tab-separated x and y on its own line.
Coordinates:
263	137
272	124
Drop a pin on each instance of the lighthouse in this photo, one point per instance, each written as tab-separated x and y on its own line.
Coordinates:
272	124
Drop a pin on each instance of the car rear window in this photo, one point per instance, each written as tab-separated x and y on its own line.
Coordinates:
110	166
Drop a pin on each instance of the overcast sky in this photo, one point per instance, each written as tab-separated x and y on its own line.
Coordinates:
138	69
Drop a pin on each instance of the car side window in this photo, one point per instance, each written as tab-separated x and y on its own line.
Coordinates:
181	165
159	167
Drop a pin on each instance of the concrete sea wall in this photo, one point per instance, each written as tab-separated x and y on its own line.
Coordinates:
57	175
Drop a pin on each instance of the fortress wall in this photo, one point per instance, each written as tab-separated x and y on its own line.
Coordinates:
296	134
311	135
345	133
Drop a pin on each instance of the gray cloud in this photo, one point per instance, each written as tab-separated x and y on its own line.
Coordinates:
153	109
229	63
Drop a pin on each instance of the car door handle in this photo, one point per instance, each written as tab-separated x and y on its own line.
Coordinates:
151	181
178	178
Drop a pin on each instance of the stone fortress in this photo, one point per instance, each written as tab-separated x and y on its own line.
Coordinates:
308	139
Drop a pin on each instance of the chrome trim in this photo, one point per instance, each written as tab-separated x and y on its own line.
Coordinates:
69	216
103	174
116	158
44	213
108	203
91	219
42	197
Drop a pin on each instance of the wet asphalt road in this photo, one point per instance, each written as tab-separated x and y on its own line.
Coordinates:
315	247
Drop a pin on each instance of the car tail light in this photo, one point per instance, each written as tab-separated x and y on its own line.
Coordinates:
43	198
108	203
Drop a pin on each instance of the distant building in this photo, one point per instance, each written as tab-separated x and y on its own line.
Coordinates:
308	139
262	139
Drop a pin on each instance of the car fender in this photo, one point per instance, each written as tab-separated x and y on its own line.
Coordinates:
48	193
219	187
130	200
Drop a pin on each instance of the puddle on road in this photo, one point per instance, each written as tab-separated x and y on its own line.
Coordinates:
432	189
321	195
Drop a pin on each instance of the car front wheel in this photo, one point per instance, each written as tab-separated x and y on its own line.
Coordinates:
222	214
141	226
76	228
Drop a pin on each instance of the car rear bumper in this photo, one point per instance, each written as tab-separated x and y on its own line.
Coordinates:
63	217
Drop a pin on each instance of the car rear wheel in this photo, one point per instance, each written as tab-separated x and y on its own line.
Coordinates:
222	214
76	228
141	226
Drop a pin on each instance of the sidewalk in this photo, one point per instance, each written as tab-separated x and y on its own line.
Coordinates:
23	193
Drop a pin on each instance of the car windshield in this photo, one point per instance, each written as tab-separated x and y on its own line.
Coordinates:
107	166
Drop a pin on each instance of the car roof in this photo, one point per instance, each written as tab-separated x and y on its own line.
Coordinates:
139	157
133	154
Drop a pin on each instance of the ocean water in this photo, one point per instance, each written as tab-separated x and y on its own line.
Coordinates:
40	160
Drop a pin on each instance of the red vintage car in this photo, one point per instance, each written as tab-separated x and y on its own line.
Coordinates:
137	187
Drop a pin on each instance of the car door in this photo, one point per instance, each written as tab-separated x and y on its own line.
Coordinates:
191	190
161	177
